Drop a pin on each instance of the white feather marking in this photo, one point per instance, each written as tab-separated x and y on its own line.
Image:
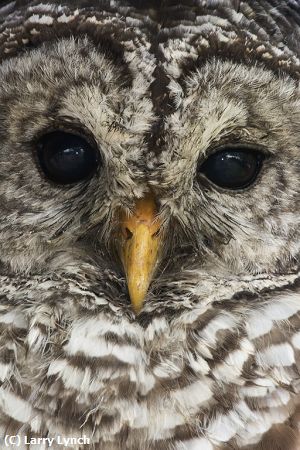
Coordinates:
65	19
221	322
224	427
15	407
244	412
195	444
99	326
41	20
36	339
281	375
166	419
56	366
197	363
145	381
278	398
232	367
296	340
15	318
262	423
99	348
267	382
138	417
276	355
280	309
254	391
190	397
87	337
36	424
157	327
5	371
283	308
42	7
74	377
258	325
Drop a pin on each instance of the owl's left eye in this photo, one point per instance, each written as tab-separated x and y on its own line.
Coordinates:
233	168
66	158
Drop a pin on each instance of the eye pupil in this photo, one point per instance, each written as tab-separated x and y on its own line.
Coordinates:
233	168
66	158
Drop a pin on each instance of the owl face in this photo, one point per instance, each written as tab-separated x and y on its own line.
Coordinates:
149	223
82	141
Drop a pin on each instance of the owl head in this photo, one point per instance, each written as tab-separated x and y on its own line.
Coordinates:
148	166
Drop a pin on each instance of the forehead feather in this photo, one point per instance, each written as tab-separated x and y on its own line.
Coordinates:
167	32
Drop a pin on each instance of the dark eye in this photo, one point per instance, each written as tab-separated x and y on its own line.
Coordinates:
233	168
66	158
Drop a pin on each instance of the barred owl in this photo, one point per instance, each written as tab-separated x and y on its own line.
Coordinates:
149	224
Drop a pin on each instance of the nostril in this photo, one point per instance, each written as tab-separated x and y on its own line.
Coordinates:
128	234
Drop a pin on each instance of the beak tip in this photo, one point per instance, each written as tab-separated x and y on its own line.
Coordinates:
137	310
137	300
138	286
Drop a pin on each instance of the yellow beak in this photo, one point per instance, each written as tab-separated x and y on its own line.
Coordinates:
140	245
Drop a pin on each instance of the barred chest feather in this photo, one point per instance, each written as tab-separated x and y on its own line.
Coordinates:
213	377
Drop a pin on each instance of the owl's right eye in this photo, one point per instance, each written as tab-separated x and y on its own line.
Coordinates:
66	158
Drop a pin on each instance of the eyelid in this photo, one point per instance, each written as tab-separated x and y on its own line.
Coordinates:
233	146
76	128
